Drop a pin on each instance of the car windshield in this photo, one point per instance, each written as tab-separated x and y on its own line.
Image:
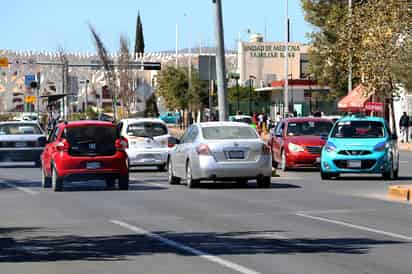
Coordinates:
146	129
359	129
308	128
19	129
228	132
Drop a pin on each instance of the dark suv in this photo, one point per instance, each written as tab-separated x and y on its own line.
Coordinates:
85	150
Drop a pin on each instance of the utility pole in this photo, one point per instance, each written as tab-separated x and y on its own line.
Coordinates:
87	96
286	92
350	50
220	61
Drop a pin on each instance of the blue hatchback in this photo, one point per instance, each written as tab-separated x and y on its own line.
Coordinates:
360	144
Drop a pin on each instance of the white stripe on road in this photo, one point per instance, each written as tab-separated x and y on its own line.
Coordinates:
177	245
364	228
24	189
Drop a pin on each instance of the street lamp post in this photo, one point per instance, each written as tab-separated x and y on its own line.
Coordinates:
251	78
238	94
286	92
87	97
350	50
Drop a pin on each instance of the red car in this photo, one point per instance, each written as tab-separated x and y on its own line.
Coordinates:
85	150
298	142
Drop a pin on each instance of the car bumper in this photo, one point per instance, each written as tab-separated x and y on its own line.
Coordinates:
20	154
148	157
375	163
208	169
302	159
77	166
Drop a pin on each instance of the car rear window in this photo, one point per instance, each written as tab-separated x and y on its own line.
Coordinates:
147	129
91	140
359	129
228	132
309	128
19	129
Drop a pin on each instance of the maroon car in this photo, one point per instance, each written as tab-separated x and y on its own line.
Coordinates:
298	142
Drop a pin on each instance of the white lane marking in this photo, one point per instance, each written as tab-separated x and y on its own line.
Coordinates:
24	189
364	228
335	211
177	245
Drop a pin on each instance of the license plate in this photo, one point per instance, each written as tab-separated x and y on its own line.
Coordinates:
236	154
354	164
93	165
21	144
318	160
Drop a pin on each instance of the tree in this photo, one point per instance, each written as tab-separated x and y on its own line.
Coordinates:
151	109
173	87
139	43
127	94
327	64
403	70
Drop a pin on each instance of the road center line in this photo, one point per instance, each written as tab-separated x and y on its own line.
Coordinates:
177	245
24	189
364	228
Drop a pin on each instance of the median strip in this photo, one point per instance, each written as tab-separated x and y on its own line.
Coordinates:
191	250
400	192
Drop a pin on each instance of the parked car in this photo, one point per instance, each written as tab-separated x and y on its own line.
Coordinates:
242	119
148	142
21	141
169	117
220	151
85	150
297	142
360	144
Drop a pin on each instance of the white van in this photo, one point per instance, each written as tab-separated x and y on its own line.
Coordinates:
148	141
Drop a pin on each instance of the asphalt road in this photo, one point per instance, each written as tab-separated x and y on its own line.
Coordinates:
299	225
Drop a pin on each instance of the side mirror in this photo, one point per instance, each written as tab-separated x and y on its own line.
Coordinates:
394	136
324	136
173	141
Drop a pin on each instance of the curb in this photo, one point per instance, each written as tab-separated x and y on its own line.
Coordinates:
400	192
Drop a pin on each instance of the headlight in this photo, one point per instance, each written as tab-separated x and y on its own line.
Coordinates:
330	147
295	148
381	147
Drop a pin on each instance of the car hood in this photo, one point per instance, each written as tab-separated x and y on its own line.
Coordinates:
306	140
356	143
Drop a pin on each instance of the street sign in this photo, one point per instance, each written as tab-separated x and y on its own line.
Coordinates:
207	67
374	106
4	62
28	78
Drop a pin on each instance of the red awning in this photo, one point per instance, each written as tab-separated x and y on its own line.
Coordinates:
355	100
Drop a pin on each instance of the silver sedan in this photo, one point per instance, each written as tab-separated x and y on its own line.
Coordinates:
220	151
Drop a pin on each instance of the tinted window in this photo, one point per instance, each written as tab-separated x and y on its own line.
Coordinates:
309	128
246	120
359	129
91	140
146	129
19	129
216	133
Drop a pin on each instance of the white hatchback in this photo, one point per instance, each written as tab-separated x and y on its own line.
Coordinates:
148	141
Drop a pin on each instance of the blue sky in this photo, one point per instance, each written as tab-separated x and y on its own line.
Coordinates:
48	24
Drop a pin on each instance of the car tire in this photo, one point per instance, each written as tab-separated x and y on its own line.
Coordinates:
242	182
391	174
190	182
46	181
325	175
110	183
171	178
162	167
57	181
275	164
283	164
264	182
124	183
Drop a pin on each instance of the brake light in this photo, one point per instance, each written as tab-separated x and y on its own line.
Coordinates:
121	144
203	149
265	149
63	145
170	145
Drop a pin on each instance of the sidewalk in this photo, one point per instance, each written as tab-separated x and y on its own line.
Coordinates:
405	146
